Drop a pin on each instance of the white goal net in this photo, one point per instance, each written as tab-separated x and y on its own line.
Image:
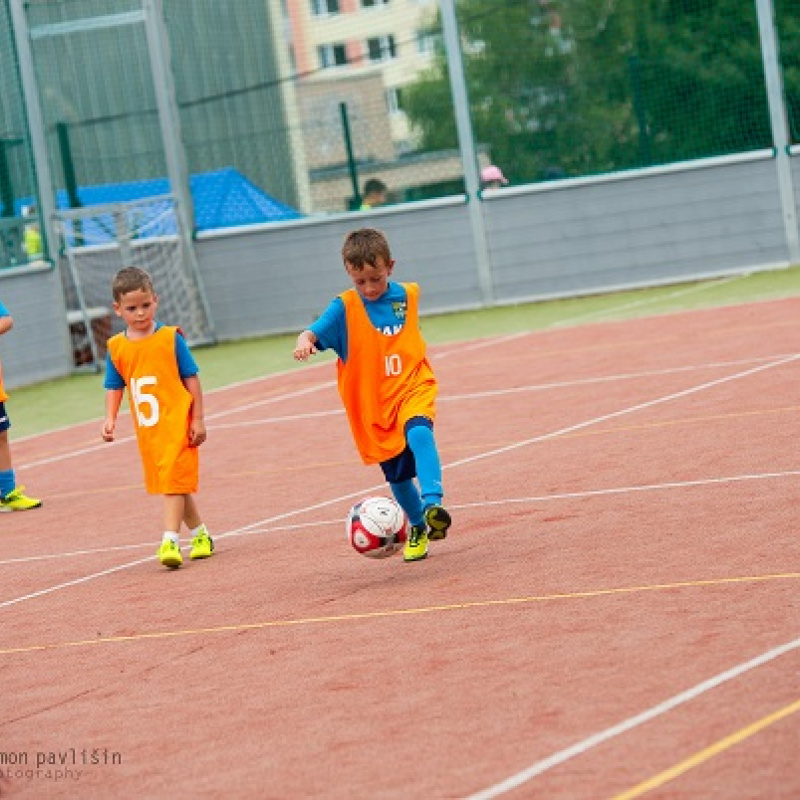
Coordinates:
97	241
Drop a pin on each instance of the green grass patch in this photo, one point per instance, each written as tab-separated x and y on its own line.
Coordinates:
80	397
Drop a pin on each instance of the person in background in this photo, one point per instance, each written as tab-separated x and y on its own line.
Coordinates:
492	178
154	362
11	495
386	383
375	191
32	236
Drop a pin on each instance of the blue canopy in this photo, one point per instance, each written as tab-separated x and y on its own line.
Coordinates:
222	199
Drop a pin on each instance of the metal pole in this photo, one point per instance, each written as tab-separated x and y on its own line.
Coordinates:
351	161
35	119
168	118
778	121
466	144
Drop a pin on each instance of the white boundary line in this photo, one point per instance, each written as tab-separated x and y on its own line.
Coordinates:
768	360
534	499
487	454
522	777
622	412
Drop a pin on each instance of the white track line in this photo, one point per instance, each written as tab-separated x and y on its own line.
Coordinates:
769	360
75	582
522	777
623	412
463	461
126	439
532	500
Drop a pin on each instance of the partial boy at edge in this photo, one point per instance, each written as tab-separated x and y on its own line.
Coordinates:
12	497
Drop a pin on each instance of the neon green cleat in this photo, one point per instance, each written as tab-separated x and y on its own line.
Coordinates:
438	522
417	544
202	545
17	501
169	554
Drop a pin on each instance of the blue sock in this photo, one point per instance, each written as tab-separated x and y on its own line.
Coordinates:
8	482
407	494
429	468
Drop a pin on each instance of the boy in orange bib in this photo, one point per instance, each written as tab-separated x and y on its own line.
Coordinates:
386	383
154	363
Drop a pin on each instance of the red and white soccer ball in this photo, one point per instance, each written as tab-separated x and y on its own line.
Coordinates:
376	527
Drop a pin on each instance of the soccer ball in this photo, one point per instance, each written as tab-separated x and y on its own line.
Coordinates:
376	527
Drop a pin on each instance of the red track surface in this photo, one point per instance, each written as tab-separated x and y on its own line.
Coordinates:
625	543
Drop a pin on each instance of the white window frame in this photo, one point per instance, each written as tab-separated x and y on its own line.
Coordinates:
322	8
387	46
326	55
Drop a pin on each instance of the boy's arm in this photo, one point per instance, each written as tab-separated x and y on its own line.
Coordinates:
6	324
305	345
113	401
197	425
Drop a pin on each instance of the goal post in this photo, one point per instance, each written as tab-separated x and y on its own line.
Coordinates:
97	241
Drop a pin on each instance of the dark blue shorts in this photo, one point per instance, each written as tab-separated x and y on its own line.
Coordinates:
404	467
5	424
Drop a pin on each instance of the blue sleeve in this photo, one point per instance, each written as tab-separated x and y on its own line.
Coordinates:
113	379
3	310
187	366
331	329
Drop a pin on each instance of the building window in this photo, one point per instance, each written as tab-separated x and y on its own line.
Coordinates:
394	100
426	42
373	3
331	55
381	48
320	8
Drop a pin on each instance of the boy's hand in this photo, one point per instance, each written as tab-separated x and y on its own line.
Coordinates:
197	432
108	430
304	347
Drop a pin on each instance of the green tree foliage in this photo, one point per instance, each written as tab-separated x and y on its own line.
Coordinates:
581	87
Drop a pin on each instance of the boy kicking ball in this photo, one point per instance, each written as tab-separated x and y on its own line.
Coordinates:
386	383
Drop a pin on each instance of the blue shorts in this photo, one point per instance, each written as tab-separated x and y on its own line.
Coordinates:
403	467
5	423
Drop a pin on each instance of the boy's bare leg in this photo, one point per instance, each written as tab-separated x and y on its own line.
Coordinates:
191	516
174	511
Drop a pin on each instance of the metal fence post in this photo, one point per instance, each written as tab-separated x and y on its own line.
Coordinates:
778	121
466	144
35	123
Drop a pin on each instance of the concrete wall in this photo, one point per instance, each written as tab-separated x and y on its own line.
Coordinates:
654	226
38	347
557	239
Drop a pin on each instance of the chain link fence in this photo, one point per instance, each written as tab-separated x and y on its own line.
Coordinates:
286	109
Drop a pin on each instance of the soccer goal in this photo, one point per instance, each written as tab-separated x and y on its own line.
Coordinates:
95	242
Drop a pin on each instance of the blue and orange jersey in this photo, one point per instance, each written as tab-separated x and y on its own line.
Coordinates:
161	409
386	379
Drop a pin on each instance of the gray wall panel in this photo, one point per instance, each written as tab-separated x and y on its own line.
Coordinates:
38	347
280	278
551	240
576	237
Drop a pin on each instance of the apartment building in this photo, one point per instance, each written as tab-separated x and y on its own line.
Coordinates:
353	59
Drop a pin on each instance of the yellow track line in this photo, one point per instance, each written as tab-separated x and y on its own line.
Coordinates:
136	637
708	753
